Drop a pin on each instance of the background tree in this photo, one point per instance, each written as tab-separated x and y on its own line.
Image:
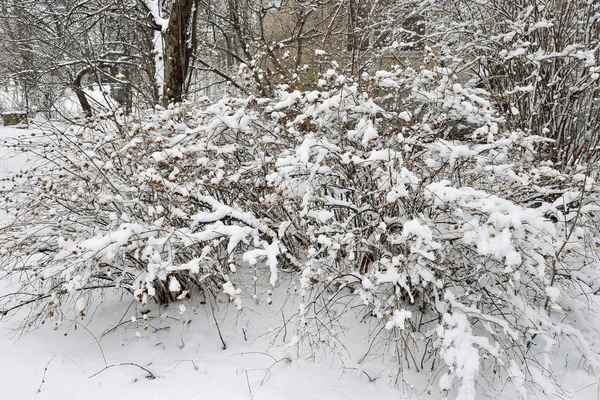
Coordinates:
69	44
179	35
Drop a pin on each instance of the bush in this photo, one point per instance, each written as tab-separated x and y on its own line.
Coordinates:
539	61
428	217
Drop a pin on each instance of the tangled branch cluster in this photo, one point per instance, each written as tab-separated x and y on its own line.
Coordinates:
401	198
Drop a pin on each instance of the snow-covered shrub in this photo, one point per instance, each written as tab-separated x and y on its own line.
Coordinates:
473	242
423	214
118	204
538	59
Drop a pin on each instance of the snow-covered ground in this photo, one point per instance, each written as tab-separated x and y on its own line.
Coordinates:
180	355
9	163
184	354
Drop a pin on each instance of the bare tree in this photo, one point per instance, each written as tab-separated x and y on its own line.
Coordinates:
539	59
68	44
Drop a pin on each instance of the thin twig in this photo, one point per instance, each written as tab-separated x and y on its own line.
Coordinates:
284	326
255	352
217	323
150	374
44	376
271	366
95	338
248	382
409	352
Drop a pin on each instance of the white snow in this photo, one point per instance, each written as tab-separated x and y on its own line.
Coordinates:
398	319
186	357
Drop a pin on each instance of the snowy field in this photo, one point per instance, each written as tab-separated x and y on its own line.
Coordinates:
184	355
180	355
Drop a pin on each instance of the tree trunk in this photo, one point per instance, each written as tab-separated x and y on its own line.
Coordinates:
83	101
178	50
